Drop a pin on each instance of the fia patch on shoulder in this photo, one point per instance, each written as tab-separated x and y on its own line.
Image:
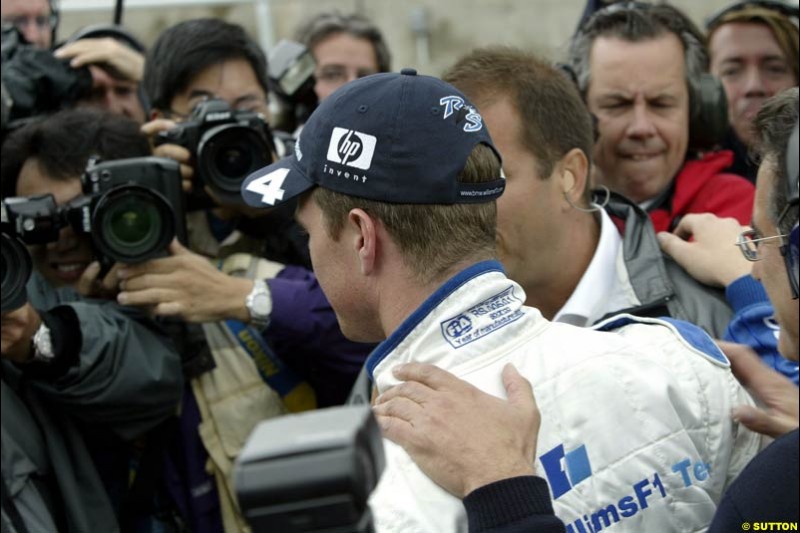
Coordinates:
482	319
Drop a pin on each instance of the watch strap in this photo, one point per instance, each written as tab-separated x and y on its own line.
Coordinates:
259	304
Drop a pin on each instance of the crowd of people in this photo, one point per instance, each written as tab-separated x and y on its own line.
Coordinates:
569	291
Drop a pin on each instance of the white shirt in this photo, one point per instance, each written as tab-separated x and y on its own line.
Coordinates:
600	290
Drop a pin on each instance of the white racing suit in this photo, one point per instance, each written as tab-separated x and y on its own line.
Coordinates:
636	431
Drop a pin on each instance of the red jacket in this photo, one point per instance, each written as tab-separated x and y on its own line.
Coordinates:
701	187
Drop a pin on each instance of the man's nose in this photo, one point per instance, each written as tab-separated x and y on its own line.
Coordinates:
641	124
33	33
66	240
754	83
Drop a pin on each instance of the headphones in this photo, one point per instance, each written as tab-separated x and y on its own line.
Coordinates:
708	105
708	112
789	11
55	13
791	250
117	32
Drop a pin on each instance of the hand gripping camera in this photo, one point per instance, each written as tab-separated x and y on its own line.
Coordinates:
228	145
132	208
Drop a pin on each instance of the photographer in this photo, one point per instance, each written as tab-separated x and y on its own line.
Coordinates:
266	327
35	20
100	66
81	379
115	59
345	47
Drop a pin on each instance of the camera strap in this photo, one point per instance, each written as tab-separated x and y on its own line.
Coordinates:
297	394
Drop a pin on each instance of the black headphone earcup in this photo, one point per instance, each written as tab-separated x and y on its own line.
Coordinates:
792	260
708	122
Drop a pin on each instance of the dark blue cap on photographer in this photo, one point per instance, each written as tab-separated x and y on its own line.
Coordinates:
394	138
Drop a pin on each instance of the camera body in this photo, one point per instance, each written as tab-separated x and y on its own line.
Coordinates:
132	208
16	262
228	145
291	77
311	472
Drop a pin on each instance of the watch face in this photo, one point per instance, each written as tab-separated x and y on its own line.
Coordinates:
261	304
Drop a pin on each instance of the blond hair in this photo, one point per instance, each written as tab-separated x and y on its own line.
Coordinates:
431	237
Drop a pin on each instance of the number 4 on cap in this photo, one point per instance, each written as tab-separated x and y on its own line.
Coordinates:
269	186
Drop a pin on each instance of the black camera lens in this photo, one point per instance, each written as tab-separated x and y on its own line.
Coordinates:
133	224
16	265
228	154
232	161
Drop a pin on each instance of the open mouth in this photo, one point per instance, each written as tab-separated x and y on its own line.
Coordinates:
69	271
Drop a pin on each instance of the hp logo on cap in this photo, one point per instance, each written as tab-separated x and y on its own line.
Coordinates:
351	148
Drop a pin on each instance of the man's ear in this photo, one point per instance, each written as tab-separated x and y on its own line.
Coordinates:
362	236
574	175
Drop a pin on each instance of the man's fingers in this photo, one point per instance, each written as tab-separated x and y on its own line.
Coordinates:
163	265
145	297
401	408
148	281
750	370
430	375
687	225
675	247
173	151
764	422
168	309
518	389
176	248
409	390
110	282
396	430
86	282
157	125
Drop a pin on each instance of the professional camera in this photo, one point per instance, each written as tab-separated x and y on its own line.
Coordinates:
228	145
132	208
291	79
311	472
35	82
33	220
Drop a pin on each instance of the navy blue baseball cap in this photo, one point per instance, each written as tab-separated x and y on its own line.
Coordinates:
395	138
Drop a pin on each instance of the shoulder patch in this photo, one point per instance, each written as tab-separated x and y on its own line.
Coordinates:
692	335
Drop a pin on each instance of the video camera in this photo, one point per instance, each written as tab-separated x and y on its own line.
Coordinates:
132	208
228	145
311	472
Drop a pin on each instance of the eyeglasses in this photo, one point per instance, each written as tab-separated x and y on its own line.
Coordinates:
340	73
43	22
749	244
253	105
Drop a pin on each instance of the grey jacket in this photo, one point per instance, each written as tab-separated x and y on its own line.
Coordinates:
126	379
661	286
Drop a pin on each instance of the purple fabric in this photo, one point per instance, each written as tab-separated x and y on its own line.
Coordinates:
305	334
191	487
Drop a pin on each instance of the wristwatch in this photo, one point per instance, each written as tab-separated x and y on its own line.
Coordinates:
42	345
259	304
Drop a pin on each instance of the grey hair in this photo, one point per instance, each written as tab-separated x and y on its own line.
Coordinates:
323	25
637	22
774	125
